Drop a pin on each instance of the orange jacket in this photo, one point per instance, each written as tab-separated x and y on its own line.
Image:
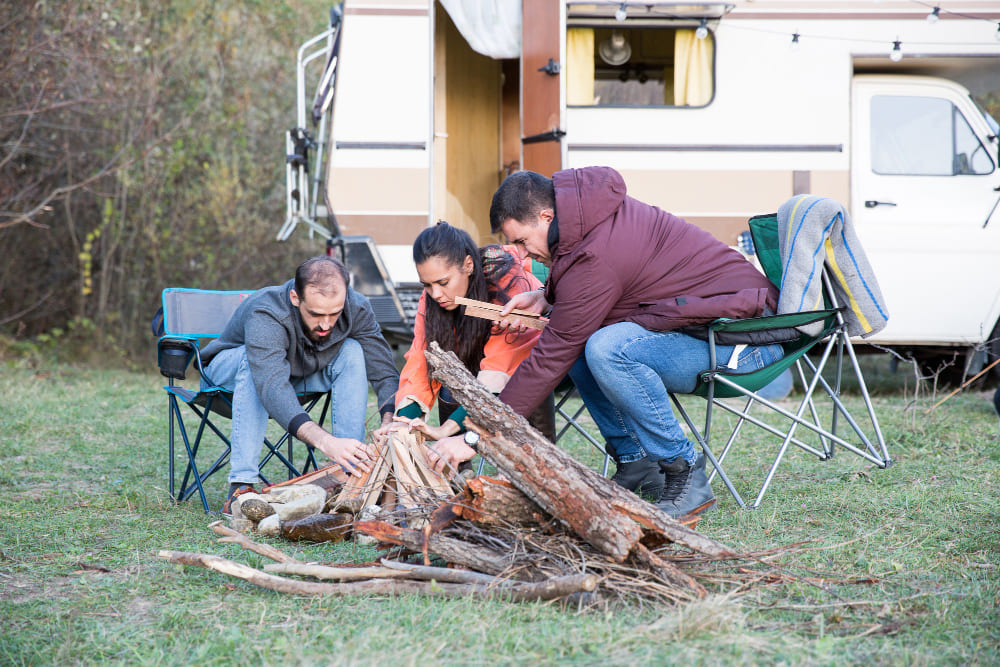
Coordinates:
502	354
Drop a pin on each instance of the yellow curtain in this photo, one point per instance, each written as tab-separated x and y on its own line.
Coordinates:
580	69
692	69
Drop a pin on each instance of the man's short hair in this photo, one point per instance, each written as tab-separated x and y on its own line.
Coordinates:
324	274
521	196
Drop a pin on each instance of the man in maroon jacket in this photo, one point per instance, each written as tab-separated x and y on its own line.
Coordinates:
625	279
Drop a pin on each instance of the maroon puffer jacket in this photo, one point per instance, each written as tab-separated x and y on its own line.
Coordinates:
618	260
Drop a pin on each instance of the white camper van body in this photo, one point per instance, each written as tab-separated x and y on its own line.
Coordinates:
425	128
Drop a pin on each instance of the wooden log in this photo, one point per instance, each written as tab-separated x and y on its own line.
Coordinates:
266	550
489	501
599	511
546	590
475	557
329	478
352	497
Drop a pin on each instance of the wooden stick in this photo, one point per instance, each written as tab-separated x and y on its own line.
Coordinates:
337	573
491	311
448	574
964	385
546	590
234	537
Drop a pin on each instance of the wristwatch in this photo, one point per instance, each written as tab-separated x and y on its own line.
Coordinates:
472	440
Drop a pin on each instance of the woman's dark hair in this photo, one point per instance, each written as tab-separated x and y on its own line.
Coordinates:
466	336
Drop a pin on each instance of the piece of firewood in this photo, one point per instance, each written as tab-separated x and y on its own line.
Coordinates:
352	497
455	551
328	477
605	515
489	501
266	550
526	592
491	311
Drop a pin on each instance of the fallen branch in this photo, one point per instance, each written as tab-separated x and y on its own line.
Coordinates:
235	537
964	385
526	592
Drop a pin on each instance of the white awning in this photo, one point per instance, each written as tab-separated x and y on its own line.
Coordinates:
491	27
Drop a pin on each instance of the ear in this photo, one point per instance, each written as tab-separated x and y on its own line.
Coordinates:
294	296
468	266
546	215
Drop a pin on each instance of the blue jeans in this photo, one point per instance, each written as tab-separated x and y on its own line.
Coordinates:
625	375
345	378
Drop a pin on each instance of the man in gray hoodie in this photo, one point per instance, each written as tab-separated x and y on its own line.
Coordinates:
314	333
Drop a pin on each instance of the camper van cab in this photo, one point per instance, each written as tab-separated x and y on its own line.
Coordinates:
714	111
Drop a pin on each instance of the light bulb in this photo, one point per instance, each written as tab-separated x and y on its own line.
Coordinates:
896	54
934	15
996	35
702	31
621	13
794	46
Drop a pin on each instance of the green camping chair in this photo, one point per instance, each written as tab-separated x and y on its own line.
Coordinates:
831	345
190	316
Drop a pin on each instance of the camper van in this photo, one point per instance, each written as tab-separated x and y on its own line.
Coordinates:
714	111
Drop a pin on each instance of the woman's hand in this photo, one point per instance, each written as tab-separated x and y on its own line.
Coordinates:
381	434
448	453
431	432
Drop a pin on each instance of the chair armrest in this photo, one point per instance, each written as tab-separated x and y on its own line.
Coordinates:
174	354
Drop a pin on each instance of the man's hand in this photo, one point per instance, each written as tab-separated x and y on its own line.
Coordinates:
352	455
533	302
448	453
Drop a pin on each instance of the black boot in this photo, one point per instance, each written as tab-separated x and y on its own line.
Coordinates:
686	489
644	477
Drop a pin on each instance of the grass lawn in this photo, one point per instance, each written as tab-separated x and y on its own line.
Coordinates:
85	510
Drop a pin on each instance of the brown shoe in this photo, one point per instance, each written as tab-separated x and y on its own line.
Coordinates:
236	489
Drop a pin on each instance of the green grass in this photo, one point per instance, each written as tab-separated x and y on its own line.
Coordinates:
85	510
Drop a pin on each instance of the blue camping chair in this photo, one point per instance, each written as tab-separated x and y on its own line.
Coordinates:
191	316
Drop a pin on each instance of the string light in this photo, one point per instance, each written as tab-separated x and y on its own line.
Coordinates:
794	46
621	13
896	54
934	15
702	31
996	35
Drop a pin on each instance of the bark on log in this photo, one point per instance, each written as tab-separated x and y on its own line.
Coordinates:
546	590
599	511
489	501
452	550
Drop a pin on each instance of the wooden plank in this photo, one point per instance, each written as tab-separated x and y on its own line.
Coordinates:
491	311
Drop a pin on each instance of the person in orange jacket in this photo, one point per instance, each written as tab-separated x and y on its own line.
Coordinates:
450	265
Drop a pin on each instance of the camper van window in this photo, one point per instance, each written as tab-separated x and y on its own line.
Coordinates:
634	65
924	136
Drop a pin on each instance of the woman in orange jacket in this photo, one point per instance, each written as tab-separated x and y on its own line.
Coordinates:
450	265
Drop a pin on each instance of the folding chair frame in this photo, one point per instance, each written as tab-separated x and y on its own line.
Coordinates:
176	395
175	353
714	382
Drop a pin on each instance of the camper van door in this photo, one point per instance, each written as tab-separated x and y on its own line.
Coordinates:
923	177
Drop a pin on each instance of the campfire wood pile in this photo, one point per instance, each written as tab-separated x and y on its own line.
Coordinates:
549	528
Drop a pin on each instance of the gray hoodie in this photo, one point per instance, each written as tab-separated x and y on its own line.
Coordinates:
279	351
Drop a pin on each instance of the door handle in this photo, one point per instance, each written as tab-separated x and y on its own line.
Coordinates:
871	203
